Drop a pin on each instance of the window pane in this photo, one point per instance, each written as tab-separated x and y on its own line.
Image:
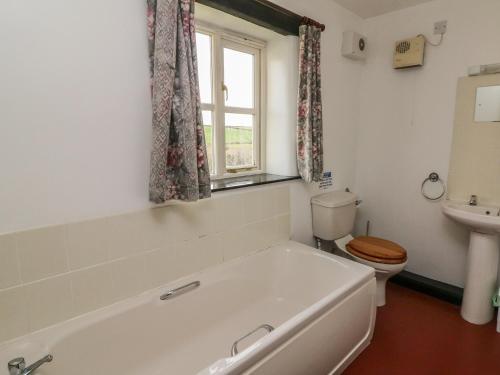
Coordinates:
239	141
239	78
204	52
209	136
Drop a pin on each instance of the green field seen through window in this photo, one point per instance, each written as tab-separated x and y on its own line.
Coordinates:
234	135
239	145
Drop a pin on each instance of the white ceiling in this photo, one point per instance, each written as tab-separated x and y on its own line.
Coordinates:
372	8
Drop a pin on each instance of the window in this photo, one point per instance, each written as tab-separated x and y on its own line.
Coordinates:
230	77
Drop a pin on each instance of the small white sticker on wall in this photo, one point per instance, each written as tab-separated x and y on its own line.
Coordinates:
327	181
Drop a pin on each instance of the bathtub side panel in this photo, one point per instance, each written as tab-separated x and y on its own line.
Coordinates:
330	343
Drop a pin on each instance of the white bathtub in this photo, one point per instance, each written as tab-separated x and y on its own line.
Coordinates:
322	308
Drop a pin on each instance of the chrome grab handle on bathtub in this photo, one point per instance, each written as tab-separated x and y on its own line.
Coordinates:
234	348
180	290
17	366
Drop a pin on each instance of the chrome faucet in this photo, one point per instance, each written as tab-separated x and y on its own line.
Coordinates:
473	200
17	366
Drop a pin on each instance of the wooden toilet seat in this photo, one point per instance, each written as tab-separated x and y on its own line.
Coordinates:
377	250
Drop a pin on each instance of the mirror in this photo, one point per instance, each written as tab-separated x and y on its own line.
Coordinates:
475	155
487	104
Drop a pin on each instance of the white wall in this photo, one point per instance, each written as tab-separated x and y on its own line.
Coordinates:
281	119
75	117
74	110
340	80
406	125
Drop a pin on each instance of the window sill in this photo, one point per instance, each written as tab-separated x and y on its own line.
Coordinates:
248	181
226	176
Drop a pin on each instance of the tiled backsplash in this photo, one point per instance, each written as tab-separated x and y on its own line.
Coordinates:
51	274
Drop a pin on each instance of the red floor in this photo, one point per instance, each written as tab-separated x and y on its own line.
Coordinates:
418	334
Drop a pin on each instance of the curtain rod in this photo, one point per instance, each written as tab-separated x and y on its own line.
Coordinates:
311	22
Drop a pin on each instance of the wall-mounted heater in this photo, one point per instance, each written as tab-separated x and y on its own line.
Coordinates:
409	53
479	70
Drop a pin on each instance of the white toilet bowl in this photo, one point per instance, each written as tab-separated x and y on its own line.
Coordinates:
383	272
333	217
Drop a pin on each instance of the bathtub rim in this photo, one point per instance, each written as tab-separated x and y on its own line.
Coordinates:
267	344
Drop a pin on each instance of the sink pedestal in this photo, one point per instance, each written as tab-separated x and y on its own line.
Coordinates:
481	278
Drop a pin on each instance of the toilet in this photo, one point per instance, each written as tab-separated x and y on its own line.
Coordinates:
333	216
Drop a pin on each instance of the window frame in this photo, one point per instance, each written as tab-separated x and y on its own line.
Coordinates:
220	39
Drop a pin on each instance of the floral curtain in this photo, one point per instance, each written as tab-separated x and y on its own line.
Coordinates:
310	123
179	166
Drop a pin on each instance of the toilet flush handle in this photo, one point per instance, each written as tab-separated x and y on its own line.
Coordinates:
358	201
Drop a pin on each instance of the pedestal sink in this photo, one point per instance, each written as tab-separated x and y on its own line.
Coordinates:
482	258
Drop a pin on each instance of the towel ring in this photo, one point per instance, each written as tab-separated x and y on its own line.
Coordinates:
433	177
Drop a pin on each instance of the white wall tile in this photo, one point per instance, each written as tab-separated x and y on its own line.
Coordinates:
281	200
9	265
186	257
258	205
233	244
196	219
205	212
42	253
209	251
259	235
92	288
180	222
110	259
282	228
129	276
155	228
198	254
50	301
87	243
13	313
268	197
229	214
125	237
161	267
253	206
